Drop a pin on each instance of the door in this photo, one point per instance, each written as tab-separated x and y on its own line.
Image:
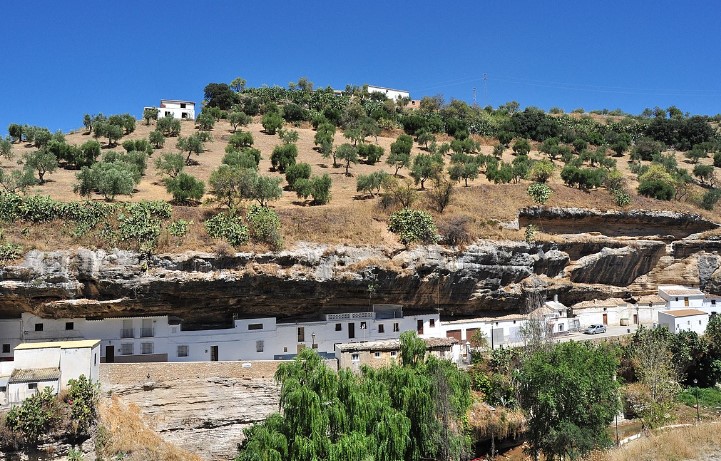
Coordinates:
213	353
419	327
605	319
109	354
351	330
635	319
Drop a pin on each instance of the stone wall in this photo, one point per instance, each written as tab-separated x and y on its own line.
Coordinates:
130	374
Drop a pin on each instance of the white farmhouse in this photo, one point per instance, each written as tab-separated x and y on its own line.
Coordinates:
646	309
677	320
184	110
389	92
610	311
498	331
680	297
51	364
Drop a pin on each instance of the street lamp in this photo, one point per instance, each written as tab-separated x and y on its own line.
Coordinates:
313	344
698	413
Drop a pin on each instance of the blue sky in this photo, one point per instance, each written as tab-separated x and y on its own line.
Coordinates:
63	59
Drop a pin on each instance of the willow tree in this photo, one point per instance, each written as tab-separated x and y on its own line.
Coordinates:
385	415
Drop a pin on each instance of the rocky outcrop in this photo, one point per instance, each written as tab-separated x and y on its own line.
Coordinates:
665	224
617	266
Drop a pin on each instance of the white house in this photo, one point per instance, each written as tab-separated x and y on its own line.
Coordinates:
680	297
10	337
610	311
176	109
389	92
498	331
711	304
51	364
677	320
162	338
646	309
377	354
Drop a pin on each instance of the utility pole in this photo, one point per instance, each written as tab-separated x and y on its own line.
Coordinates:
485	88
475	104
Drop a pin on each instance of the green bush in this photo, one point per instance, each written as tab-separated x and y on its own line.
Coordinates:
370	152
272	122
413	225
10	251
317	187
229	227
621	197
185	188
710	198
264	226
179	228
284	156
296	172
83	396
539	192
657	189
37	416
140	223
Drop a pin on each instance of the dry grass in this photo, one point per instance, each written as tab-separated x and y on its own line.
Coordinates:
128	434
686	443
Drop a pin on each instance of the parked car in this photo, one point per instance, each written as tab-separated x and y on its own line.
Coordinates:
595	329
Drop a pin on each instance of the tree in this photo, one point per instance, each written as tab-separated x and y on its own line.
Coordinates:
424	137
283	156
539	192
267	189
522	147
87	154
570	396
109	179
219	95
288	136
238	118
426	166
370	152
245	158
16	132
317	187
296	172
41	161
348	154
168	126
6	148
272	122
464	167
400	155
38	415
657	182
368	183
17	180
240	140
705	173
83	397
192	144
541	171
232	185
238	84
156	138
170	164
185	188
150	113
413	225
205	121
108	130
440	195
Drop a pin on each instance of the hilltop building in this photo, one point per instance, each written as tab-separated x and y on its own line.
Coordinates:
183	110
390	93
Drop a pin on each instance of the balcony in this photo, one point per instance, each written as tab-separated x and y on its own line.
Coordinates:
147	332
127	333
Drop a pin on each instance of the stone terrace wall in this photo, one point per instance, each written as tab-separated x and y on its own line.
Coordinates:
129	374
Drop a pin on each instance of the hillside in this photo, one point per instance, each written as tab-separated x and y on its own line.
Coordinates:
350	217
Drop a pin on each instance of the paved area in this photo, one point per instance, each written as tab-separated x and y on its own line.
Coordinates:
611	332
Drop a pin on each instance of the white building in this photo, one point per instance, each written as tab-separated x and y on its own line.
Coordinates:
162	338
176	109
10	337
389	92
498	331
646	309
51	364
680	297
711	304
612	311
677	320
376	354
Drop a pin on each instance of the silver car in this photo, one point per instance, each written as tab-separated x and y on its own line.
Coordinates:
595	329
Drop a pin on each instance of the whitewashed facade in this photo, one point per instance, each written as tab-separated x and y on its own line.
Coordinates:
10	337
183	110
161	338
680	297
677	320
389	92
51	364
610	311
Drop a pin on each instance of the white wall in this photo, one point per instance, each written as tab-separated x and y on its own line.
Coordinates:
174	109
79	361
17	392
37	358
696	323
10	332
390	93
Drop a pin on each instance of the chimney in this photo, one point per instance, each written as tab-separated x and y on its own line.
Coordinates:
555	297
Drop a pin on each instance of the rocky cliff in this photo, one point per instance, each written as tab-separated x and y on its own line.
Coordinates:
482	278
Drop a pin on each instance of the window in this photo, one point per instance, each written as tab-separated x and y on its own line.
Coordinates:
713	302
355	357
39	327
126	349
182	351
377	355
182	105
146	329
301	334
255	326
69	325
699	322
396	329
363	325
6	348
146	348
394	353
95	359
33	386
259	345
285	349
381	328
433	323
338	327
3	389
685	302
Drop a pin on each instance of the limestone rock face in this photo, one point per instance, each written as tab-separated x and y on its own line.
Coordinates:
617	266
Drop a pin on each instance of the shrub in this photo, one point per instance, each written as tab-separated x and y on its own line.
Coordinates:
241	139
38	415
170	163
455	231
272	122
139	223
413	225
296	172
156	138
179	228
710	198
717	159
229	227
621	197
657	182
539	192
317	187
368	183
168	126
82	396
440	195
185	188
264	226
370	152
10	251
541	171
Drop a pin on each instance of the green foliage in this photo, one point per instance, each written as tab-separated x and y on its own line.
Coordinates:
6	148
347	153
583	178
139	145
272	122
569	395
621	197
704	172
240	139
185	188
107	178
179	228
140	223
717	159
464	167
238	118
245	158
522	147
400	155
368	183
168	126
413	226
170	163
10	251
156	138
264	226
284	156
541	171
710	199
657	183
440	195
229	227
529	234
83	396
192	144
317	187
426	166
707	397
17	180
205	121
41	161
371	153
37	416
296	172
219	95
288	136
539	192
16	132
266	189
231	185
150	113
